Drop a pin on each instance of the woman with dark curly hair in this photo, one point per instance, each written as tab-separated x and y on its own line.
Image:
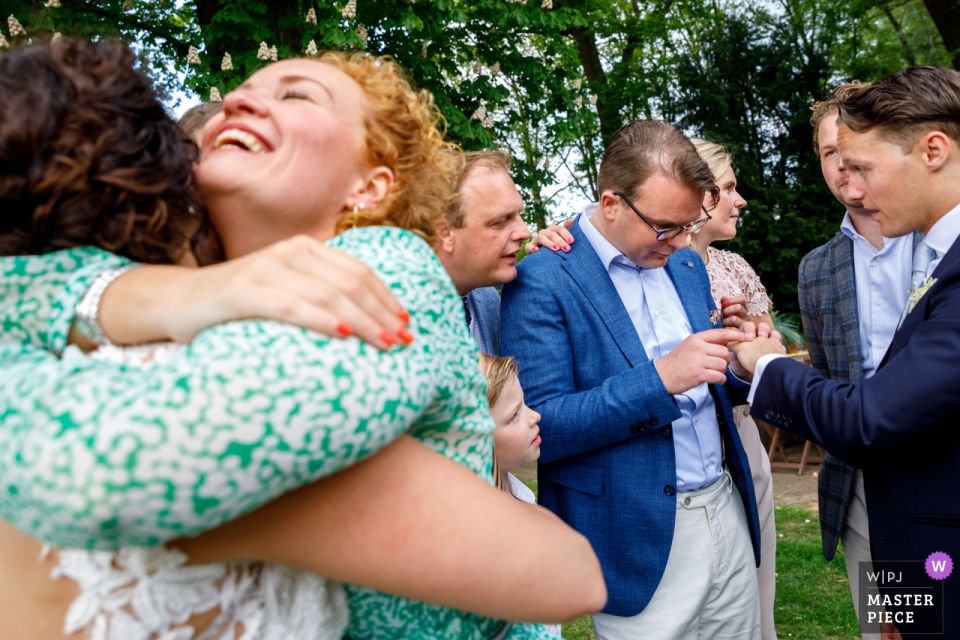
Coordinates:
129	448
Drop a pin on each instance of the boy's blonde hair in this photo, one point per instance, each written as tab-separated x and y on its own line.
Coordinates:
498	372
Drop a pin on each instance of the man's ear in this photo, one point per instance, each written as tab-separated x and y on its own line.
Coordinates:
445	234
935	149
608	205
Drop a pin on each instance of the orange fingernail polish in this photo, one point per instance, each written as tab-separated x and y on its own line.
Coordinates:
404	316
345	329
405	336
387	337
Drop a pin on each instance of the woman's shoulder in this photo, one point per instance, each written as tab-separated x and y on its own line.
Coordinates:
382	242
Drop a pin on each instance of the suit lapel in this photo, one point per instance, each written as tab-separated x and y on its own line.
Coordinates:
683	272
844	289
584	266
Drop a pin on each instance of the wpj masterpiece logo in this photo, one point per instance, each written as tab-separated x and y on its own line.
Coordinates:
908	595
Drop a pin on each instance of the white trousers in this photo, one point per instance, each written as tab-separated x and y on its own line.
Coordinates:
763	487
856	543
709	588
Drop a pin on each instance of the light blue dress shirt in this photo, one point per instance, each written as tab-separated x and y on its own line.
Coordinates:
883	284
658	316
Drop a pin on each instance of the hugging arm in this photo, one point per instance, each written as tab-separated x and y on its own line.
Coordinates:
300	281
98	454
410	522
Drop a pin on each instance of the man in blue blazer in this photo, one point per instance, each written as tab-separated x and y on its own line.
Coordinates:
619	351
900	143
480	241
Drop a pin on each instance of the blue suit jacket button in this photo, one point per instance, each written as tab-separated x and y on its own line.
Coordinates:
770	415
787	422
666	432
669	490
635	428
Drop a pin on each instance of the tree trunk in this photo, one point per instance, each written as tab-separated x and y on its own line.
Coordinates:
590	59
907	51
946	15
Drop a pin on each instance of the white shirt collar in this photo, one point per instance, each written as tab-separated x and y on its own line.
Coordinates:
944	232
851	232
605	250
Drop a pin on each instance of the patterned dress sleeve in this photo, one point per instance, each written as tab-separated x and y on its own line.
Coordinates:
96	454
38	294
758	302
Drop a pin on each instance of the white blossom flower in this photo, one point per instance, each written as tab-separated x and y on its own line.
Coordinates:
312	48
54	4
593	100
56	37
350	11
362	33
192	56
312	16
495	69
477	67
480	113
263	53
543	59
3	42
273	54
227	63
547	4
577	84
488	121
215	95
127	5
578	101
16	29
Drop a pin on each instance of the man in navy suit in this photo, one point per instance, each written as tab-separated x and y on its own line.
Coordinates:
900	143
480	241
621	352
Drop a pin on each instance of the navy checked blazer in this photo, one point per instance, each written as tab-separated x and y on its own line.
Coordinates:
828	307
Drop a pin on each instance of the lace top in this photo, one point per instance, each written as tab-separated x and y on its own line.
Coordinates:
97	454
731	275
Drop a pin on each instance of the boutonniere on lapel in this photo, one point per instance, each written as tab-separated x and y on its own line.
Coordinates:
714	317
919	292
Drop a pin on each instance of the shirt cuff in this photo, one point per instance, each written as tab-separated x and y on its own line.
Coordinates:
761	365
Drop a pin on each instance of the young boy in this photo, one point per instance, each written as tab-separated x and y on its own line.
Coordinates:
516	437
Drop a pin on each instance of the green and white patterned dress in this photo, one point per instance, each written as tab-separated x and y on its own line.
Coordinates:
97	454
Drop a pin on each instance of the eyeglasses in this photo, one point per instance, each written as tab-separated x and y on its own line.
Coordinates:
672	232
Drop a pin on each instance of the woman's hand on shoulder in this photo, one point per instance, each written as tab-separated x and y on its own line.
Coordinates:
300	281
555	237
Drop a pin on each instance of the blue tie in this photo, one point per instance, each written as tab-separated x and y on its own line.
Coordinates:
922	256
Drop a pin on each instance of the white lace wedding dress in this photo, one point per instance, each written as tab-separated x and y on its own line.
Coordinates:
152	594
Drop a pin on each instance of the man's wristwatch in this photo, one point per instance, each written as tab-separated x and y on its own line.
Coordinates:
87	318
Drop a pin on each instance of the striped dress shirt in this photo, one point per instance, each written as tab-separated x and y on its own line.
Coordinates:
883	284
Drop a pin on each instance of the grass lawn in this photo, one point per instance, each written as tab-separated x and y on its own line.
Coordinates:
813	598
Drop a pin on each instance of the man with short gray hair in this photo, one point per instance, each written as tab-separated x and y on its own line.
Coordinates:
480	241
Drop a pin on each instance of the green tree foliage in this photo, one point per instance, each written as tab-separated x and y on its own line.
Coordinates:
552	80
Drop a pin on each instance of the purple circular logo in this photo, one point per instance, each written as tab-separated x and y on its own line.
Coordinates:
939	565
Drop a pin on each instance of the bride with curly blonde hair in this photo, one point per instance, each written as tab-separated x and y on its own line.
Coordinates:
197	469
